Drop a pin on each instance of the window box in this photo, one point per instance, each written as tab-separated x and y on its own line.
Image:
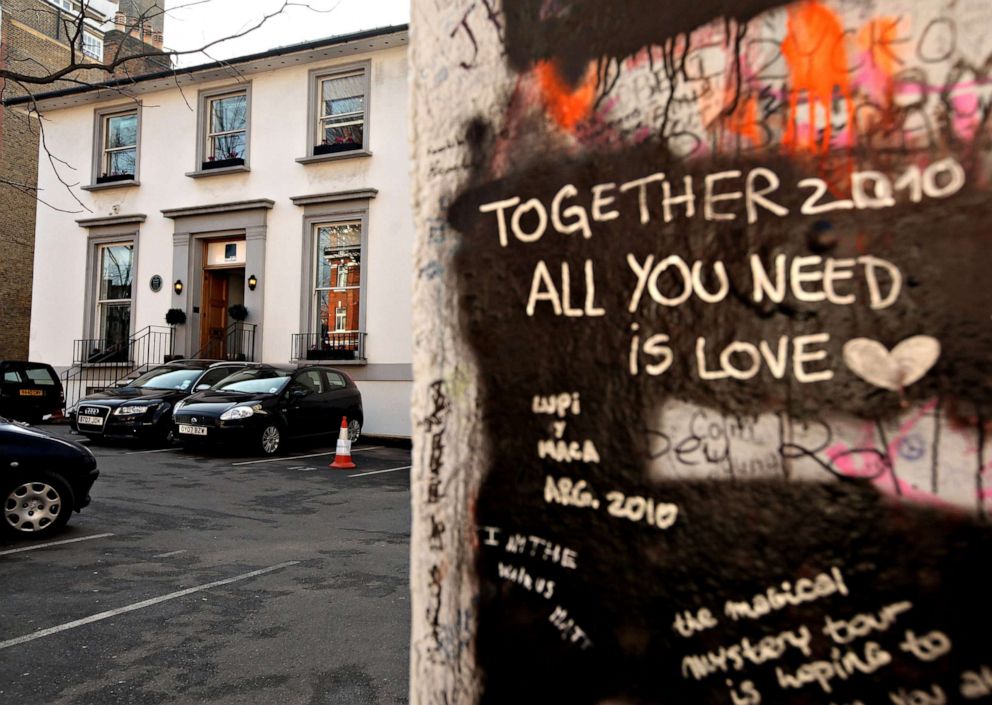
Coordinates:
222	163
332	354
114	177
335	148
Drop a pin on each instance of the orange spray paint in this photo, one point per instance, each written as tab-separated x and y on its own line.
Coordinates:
566	105
744	120
814	50
879	40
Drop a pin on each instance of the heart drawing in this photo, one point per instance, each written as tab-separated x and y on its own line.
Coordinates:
906	363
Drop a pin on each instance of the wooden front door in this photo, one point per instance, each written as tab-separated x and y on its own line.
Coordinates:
213	320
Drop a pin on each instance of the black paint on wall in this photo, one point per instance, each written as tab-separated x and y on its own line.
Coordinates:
575	32
941	247
732	539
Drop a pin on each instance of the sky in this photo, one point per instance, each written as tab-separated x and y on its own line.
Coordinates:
190	24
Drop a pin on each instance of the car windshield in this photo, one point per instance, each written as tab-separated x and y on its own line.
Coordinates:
256	382
167	378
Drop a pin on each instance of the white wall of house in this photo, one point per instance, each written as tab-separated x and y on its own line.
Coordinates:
278	135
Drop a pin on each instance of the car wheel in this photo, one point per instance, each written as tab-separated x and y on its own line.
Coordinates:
36	504
166	435
354	429
270	439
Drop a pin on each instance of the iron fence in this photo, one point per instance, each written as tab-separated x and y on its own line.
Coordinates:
98	363
328	346
236	342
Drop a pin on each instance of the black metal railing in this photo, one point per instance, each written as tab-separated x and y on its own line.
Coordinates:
236	342
328	346
98	363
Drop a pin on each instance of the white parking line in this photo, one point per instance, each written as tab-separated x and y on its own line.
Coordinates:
170	553
53	543
157	450
376	472
139	605
297	457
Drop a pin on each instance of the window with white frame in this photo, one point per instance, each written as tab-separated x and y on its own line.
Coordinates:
118	151
115	274
225	124
338	283
64	5
339	110
92	45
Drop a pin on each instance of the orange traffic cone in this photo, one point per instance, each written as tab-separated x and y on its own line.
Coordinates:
342	456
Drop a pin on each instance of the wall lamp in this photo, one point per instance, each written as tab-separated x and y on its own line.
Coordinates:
178	287
252	282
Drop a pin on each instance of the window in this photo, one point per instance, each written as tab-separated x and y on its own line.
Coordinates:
92	46
63	4
115	270
310	381
337	289
332	299
214	375
226	130
40	375
339	111
116	146
120	147
334	380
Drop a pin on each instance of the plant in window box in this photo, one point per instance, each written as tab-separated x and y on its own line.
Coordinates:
340	143
110	178
238	312
233	159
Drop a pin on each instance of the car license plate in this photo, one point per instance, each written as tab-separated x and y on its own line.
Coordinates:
192	430
89	421
32	393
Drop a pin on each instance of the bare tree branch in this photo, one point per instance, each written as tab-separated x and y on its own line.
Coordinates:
56	163
28	77
77	63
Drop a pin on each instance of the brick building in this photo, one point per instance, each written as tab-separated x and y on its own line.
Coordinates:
137	28
35	38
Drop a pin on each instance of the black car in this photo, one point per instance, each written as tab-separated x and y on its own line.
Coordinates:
264	404
43	479
143	407
29	391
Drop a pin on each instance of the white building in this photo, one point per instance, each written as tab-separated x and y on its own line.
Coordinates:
278	181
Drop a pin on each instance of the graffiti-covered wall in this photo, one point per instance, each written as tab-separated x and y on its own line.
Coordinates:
703	319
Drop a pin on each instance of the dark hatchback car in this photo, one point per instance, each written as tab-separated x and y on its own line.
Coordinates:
263	405
43	479
142	408
29	391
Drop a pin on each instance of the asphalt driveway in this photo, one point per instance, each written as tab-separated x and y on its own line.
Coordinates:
216	578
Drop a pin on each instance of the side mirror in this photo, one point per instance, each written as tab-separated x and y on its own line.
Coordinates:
201	387
295	394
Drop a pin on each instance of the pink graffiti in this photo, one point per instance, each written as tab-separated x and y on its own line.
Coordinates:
848	461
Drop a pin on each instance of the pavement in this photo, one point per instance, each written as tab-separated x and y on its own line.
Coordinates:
217	578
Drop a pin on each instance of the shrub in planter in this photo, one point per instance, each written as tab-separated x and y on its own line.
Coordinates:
237	312
175	316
